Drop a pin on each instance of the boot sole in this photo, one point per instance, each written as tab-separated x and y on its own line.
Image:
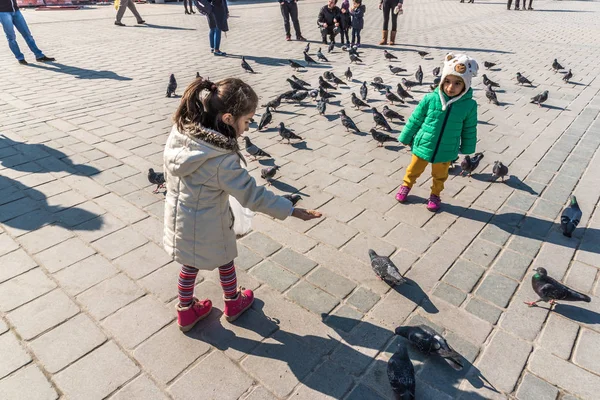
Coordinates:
189	327
234	317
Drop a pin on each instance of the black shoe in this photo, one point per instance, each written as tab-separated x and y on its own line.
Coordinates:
45	59
141	22
187	12
23	62
119	23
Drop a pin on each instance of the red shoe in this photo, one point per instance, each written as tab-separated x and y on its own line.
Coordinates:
434	203
288	37
235	307
402	193
189	316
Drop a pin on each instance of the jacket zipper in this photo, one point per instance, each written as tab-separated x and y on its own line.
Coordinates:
437	146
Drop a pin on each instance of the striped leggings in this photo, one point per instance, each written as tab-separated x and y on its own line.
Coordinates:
187	280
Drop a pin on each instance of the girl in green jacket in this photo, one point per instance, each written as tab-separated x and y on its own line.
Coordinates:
443	124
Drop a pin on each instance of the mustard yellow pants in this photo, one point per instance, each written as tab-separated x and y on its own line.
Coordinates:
439	173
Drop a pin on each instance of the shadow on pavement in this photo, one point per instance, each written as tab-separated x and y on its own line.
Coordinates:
412	291
170	28
512	181
577	314
80	73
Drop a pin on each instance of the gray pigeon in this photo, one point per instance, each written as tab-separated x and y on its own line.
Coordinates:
381	138
567	76
378	79
331	46
409	84
307	48
321	106
354	58
378	85
324	94
540	98
299	96
295	66
549	290
436	71
294	198
396	70
363	91
320	56
491	96
295	85
391	114
499	171
246	66
428	341
309	60
419	75
392	97
287	133
470	164
358	103
348	74
172	86
403	93
488	82
488	64
423	54
325	85
254	150
570	217
401	374
265	120
156	178
436	83
389	56
269	173
556	66
522	80
300	81
348	123
314	93
380	120
385	269
337	80
273	104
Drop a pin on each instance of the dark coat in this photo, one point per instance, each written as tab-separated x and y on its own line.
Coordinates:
8	6
327	16
392	3
345	19
216	12
358	17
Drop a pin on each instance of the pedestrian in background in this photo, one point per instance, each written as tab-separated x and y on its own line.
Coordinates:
123	5
217	13
391	8
345	21
289	8
185	5
329	20
357	11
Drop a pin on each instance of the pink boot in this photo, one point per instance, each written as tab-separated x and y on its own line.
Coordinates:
189	316
235	307
402	193
434	203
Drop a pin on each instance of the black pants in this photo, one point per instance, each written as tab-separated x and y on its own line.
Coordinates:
345	35
185	4
287	10
517	3
328	31
356	36
387	10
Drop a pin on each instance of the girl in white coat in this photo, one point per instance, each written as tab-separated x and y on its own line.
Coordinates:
202	164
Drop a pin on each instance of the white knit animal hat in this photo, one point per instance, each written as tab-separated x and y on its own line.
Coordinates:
459	65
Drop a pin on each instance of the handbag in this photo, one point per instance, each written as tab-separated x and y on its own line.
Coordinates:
204	7
242	217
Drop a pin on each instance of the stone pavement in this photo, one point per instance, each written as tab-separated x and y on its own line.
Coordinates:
87	295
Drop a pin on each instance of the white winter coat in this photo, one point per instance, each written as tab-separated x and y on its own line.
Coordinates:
202	169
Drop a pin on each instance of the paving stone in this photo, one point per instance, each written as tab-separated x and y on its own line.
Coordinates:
14	264
14	356
85	273
483	310
450	294
28	383
341	210
581	277
24	288
260	393
294	261
525	245
274	275
326	382
120	208
312	298
497	289
246	258
521	201
481	252
374	223
99	227
559	335
134	323
121	242
67	342
97	374
360	245
141	261
346	190
331	282
261	244
26	223
586	352
344	318
533	388
3	326
139	388
361	392
363	299
44	238
64	254
495	234
163	282
110	295
464	275
420	239
512	264
332	232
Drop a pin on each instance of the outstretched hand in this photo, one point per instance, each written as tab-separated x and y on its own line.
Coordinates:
306	215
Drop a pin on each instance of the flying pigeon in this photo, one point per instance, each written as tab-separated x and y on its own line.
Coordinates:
309	60
286	133
419	75
380	120
436	71
389	56
295	85
294	198
321	106
320	56
156	178
423	54
331	46
391	114
488	82
428	341
401	374
570	217
383	266
348	74
358	103
488	64
354	58
269	173
273	104
396	70
300	81
540	98
295	66
470	164
381	138
491	95
499	170
522	80
265	120
325	85
363	91
403	93
567	76
549	290
348	123
409	84
172	87
246	66
392	97
254	150
556	66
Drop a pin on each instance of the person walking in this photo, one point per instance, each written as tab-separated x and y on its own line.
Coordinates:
393	7
289	8
11	18
123	5
217	13
509	3
185	5
329	20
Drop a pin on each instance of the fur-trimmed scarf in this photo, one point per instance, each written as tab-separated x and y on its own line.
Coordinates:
212	137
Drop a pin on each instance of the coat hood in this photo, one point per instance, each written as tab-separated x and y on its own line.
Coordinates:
186	152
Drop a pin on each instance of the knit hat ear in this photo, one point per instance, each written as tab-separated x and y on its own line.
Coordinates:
459	65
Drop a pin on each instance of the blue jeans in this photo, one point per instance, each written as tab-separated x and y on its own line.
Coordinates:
214	35
12	20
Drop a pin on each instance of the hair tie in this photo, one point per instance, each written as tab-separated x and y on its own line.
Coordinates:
213	88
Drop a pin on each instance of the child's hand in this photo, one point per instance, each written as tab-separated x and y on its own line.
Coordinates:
306	215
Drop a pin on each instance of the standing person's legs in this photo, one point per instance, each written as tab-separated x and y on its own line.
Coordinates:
386	19
358	36
517	4
21	25
211	39
136	14
293	7
530	3
185	3
190	310
394	28
121	10
218	43
6	19
285	12
439	174
508	4
331	31
414	170
354	36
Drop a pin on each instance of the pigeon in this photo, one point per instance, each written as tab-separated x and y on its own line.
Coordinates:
570	217
403	93
348	123
470	164
380	120
391	114
287	133
491	95
363	91
567	76
307	48
409	84
295	85
396	70
314	93
287	95
269	173
300	81
337	80
428	341
172	87
540	98
348	74
320	56
401	374
324	94
156	178
499	171
378	86
392	97
419	75
295	66
327	75
488	82
354	58
488	64
246	66
423	54
378	79
294	198
381	138
330	47
265	120
549	290
358	103
309	60
325	85
353	50
321	106
299	95
383	266
522	80
273	104
436	83
436	71
254	150
556	66
389	56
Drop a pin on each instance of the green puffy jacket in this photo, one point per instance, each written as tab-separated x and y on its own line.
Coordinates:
437	136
